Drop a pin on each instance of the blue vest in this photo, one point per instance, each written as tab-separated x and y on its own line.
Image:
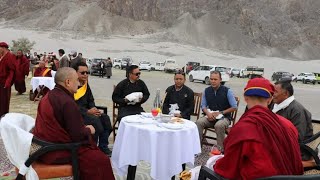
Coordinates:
218	101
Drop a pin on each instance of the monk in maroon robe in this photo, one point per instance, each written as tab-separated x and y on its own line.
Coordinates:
42	71
261	144
22	70
7	68
59	121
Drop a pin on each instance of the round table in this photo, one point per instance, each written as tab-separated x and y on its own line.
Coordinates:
165	149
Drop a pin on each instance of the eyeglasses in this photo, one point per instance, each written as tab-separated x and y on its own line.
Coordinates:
84	72
137	74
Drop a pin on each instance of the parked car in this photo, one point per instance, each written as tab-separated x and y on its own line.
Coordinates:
170	65
95	65
252	71
306	77
202	73
145	65
281	75
158	67
191	65
125	61
235	72
116	63
317	75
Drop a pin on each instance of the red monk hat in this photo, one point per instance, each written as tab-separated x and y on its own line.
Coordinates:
259	87
3	44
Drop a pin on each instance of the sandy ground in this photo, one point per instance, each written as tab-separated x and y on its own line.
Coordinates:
146	47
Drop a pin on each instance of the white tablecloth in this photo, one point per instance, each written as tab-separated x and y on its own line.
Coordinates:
165	149
46	81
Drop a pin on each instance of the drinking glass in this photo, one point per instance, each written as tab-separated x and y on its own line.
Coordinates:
154	113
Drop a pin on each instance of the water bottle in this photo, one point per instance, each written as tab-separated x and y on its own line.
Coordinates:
157	100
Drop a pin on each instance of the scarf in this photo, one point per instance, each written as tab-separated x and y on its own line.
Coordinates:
283	105
45	72
81	92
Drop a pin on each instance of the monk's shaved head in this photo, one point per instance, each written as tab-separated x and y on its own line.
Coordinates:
63	74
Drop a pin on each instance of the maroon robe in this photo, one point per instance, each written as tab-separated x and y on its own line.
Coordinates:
59	121
261	144
7	68
22	70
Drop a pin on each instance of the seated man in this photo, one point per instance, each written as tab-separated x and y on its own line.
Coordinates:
91	115
218	102
262	143
127	86
179	94
286	106
59	120
42	71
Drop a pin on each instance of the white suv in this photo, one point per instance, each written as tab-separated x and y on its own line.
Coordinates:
202	73
145	65
306	77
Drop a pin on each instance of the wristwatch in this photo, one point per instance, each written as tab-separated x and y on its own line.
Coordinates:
221	112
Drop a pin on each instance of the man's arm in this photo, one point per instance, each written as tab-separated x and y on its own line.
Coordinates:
91	103
232	101
189	104
117	95
145	93
299	121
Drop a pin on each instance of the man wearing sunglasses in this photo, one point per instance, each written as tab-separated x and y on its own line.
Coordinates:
179	94
131	84
91	115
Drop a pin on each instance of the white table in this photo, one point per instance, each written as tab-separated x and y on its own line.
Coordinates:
42	81
165	149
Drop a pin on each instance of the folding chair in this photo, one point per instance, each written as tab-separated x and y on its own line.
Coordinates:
197	105
115	111
207	135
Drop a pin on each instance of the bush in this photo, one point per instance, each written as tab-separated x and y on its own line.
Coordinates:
23	43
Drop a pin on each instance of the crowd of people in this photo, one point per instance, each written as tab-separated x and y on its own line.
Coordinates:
264	142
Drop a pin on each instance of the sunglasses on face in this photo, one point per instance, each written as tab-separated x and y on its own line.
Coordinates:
84	72
137	74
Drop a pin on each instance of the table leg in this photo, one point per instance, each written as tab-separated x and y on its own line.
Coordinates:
131	172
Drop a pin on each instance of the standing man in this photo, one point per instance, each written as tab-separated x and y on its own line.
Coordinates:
127	86
74	58
7	68
64	60
101	68
109	68
22	70
179	94
218	102
91	115
261	144
286	106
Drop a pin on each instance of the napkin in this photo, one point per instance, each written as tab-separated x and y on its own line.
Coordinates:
134	97
220	116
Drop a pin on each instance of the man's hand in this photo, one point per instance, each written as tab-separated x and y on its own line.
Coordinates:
215	114
210	116
94	111
92	130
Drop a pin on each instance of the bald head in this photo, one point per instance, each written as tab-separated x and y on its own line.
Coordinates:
68	78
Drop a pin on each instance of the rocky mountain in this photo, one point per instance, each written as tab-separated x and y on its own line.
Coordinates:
284	28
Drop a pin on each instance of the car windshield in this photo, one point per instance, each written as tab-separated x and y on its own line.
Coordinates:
144	62
308	74
235	69
96	60
286	73
171	62
221	69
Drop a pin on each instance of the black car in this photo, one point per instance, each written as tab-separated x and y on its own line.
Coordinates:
281	75
191	65
95	66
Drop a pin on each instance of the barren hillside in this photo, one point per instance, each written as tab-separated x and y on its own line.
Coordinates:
283	28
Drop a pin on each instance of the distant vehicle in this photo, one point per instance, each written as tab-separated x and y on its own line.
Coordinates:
145	65
95	65
202	73
191	65
306	77
252	71
281	75
125	61
159	66
235	72
170	65
317	75
116	63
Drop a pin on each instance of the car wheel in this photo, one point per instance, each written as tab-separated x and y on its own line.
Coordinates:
223	83
207	81
191	78
250	76
272	78
118	67
314	82
304	81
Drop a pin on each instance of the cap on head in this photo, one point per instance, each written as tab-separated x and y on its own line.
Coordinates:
4	44
259	87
